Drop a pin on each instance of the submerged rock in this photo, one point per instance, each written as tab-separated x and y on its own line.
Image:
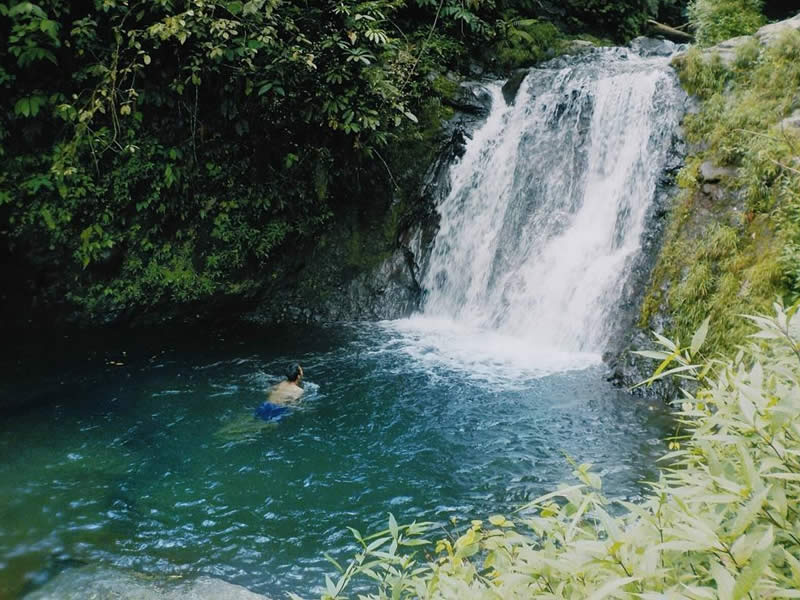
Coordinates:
101	583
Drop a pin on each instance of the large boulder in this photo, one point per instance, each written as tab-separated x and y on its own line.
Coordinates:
727	50
102	583
769	33
646	46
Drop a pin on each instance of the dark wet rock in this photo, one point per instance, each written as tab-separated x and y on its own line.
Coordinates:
624	367
476	69
100	583
472	98
388	292
511	87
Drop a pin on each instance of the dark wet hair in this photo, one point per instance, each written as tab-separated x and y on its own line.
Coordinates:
293	371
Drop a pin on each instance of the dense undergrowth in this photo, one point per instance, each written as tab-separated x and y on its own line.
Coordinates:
721	521
734	240
718	20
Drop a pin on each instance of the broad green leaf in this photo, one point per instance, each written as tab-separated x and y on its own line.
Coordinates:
667	343
23	107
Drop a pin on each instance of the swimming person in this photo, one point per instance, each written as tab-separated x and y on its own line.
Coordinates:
289	391
281	395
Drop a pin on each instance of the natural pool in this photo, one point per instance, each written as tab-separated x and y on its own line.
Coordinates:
119	454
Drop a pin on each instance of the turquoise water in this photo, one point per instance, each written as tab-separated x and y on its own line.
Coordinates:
141	452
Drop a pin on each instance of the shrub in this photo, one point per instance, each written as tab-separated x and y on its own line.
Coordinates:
525	42
718	20
721	521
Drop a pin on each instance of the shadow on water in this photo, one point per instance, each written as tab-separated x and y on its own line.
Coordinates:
142	452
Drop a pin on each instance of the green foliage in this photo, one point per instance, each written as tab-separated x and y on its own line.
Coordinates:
525	42
148	146
168	152
718	20
732	246
620	19
721	521
700	77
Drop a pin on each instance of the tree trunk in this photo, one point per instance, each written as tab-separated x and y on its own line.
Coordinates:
676	35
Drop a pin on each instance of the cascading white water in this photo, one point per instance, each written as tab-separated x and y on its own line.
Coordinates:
548	204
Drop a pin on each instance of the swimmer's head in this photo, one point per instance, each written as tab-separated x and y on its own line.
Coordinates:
294	372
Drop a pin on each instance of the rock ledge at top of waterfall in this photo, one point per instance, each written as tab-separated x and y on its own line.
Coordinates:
101	583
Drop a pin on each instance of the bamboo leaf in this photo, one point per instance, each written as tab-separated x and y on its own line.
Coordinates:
333	561
724	580
748	513
611	586
563	492
656	354
330	587
750	575
699	337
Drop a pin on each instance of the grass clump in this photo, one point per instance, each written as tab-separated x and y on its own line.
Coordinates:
719	523
718	20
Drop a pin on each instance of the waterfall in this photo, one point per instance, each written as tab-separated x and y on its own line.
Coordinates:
548	205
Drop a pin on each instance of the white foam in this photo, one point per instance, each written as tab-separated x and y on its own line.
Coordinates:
441	345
